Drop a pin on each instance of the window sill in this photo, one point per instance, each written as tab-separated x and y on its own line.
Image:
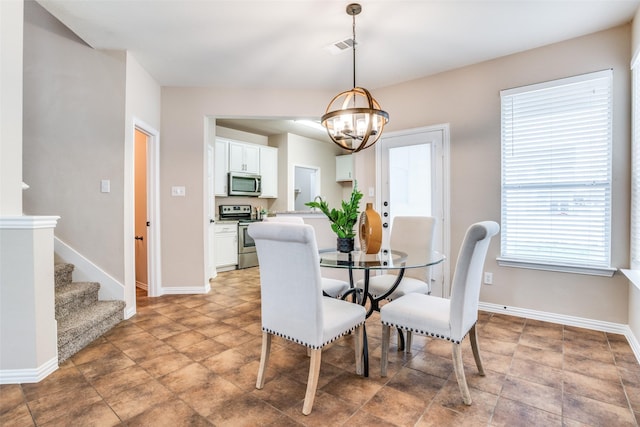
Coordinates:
591	271
633	276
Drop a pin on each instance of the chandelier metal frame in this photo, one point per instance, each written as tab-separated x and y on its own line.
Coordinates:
354	119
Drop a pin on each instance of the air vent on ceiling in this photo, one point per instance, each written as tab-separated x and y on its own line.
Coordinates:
340	46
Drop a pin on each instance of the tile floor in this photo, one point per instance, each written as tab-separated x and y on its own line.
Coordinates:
193	360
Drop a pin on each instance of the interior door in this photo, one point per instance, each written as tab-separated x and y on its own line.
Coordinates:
140	192
411	181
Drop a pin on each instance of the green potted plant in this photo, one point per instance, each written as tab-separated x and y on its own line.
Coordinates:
344	220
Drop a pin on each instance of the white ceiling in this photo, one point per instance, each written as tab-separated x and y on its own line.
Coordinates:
281	44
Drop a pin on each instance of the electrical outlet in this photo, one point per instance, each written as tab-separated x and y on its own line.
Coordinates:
488	278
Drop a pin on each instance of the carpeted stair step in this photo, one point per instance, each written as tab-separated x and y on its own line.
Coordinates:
63	273
73	296
84	325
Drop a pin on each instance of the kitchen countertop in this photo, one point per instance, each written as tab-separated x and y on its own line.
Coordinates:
299	213
226	221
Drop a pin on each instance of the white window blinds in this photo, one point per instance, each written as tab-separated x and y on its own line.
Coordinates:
635	167
556	172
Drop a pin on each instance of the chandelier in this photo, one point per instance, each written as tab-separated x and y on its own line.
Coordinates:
353	118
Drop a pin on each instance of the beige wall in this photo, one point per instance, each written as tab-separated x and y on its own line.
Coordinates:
84	134
635	41
11	13
469	100
634	290
74	100
80	105
142	108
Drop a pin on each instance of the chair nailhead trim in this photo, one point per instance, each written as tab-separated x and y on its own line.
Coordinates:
427	333
313	347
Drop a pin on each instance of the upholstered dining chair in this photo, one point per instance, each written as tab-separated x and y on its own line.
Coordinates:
293	306
414	236
448	319
330	287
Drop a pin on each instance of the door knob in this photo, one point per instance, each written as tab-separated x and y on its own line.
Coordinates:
139	238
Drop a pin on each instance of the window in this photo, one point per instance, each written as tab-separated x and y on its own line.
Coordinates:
556	175
635	165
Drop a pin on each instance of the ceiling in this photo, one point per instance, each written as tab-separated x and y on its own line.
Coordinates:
281	44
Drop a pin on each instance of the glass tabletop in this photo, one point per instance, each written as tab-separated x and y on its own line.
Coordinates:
384	260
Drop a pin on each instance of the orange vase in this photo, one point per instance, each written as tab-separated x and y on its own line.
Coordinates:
370	230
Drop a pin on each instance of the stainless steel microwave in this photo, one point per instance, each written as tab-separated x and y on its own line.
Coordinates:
244	184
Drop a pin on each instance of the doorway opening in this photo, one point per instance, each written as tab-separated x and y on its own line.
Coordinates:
144	262
140	208
306	186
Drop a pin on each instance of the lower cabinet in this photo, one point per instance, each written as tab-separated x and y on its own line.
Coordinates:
226	251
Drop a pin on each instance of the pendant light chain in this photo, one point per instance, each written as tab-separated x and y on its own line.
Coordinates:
353	119
354	48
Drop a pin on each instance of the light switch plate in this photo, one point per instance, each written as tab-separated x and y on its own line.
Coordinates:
105	186
178	191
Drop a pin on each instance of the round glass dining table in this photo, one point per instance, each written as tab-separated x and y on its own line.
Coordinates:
384	260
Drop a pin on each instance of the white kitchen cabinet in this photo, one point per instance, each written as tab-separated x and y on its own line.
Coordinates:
344	168
226	250
244	157
269	171
221	167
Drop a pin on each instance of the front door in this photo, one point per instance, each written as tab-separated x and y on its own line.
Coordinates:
413	178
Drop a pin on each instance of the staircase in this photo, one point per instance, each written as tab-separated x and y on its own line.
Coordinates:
81	316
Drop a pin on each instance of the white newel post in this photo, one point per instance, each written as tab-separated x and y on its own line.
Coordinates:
28	328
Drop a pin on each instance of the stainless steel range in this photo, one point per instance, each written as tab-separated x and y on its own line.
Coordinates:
247	255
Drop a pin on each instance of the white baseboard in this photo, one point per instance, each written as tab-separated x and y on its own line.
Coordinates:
21	376
182	290
87	271
633	342
142	285
580	322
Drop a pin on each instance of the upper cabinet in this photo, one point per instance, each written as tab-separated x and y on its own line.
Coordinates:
244	157
221	161
235	156
344	168
269	171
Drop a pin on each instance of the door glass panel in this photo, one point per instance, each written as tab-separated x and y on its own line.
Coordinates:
410	180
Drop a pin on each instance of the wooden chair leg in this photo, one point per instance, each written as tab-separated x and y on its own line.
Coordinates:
264	358
458	368
473	337
359	349
312	380
384	357
407	346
